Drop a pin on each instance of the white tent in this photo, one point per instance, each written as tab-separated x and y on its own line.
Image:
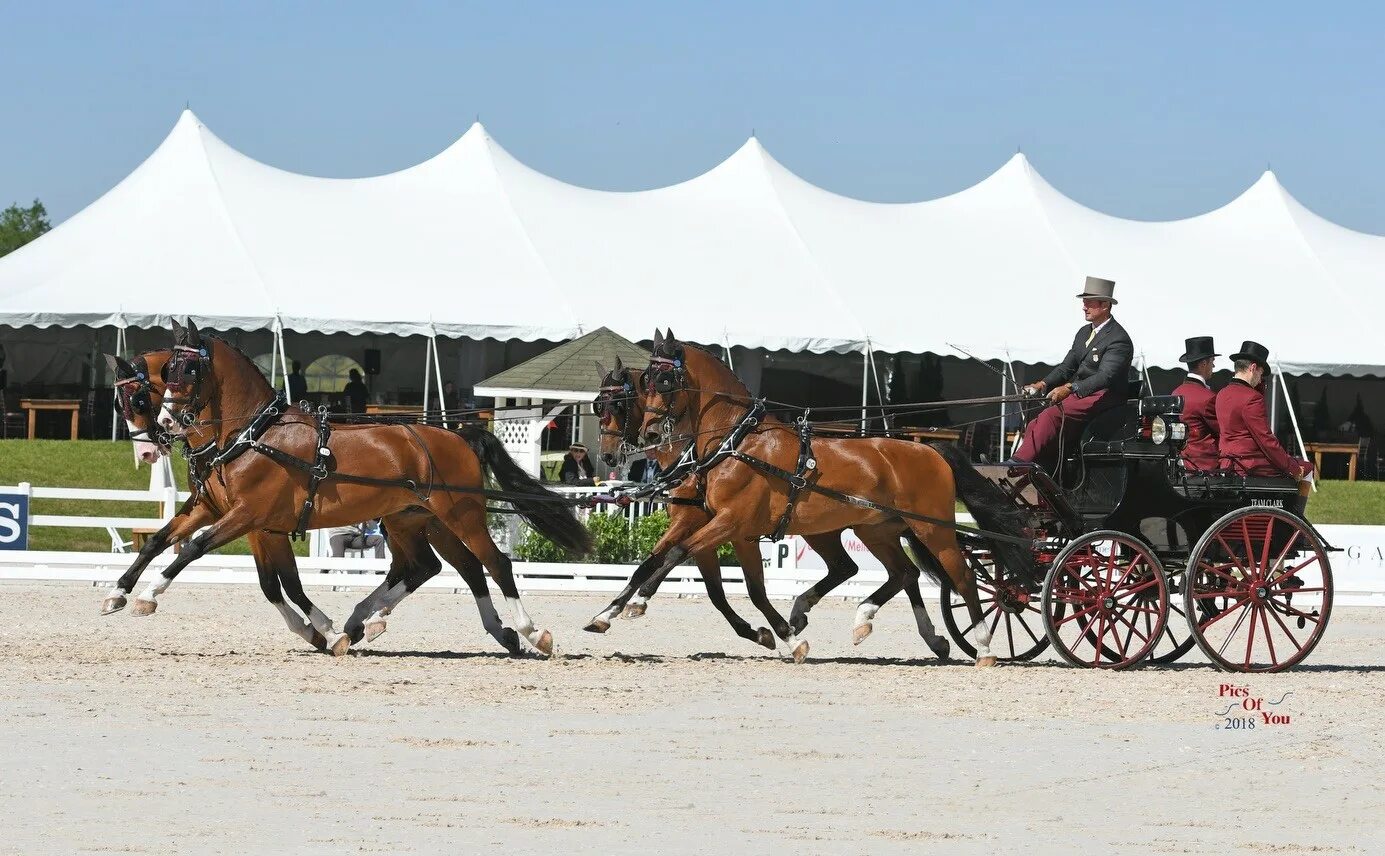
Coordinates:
474	243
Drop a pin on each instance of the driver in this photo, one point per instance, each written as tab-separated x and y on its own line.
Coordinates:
1091	379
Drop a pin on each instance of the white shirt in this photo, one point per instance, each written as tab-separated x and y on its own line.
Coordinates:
1097	329
1200	379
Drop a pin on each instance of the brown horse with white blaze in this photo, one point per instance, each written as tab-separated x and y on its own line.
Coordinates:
885	488
216	395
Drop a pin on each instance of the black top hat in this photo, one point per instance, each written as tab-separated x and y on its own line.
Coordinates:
1253	351
1197	348
1100	289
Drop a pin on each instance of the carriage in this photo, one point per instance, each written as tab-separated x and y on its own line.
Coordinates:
1146	559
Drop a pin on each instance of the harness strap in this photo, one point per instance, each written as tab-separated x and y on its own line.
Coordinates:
797	482
316	474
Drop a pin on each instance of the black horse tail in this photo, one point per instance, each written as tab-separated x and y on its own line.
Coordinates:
923	558
994	512
547	512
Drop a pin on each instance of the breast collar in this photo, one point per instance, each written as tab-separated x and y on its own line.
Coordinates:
266	416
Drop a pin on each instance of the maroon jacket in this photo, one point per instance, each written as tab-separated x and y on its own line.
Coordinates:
1247	446
1200	415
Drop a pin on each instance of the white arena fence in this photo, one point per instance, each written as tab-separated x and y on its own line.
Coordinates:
1358	571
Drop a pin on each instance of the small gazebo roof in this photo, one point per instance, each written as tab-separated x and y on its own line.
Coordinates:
566	372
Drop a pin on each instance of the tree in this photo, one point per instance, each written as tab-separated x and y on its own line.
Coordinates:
19	226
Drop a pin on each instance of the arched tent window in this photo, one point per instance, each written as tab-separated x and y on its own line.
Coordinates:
330	373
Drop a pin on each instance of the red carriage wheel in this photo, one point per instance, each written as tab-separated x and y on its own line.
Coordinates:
1106	601
1260	588
1008	609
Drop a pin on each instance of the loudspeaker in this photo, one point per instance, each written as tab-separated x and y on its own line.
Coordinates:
372	361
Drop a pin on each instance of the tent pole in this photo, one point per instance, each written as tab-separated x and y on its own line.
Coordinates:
427	374
274	356
115	399
879	394
1144	370
1004	390
1015	384
437	370
865	388
726	343
284	362
1293	418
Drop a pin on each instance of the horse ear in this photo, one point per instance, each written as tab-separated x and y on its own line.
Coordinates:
658	338
193	338
600	370
671	339
619	364
180	335
112	364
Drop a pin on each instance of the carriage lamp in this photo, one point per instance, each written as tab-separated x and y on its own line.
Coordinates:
1158	430
1178	431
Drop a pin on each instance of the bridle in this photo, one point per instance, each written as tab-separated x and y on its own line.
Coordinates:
607	411
187	368
665	377
136	397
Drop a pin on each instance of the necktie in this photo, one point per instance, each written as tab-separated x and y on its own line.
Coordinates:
1091	335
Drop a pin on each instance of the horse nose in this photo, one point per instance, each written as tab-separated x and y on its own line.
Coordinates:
148	456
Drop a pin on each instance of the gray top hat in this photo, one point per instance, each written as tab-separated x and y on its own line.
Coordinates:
1100	289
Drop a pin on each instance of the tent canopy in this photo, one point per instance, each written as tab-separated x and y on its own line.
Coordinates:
474	243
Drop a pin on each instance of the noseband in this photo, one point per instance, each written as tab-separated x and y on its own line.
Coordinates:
136	397
666	377
605	406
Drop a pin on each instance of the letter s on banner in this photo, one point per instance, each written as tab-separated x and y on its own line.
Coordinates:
14	521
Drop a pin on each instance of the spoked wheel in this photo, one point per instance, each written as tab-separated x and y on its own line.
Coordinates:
1177	637
1008	609
1106	601
1260	587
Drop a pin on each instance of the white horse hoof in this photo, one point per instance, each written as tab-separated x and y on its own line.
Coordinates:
373	630
986	662
341	646
860	633
544	644
143	607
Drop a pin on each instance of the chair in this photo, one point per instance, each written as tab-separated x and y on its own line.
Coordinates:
1368	459
13	421
118	544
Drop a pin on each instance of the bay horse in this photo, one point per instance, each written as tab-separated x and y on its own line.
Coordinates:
762	476
139	388
620	409
616	408
281	472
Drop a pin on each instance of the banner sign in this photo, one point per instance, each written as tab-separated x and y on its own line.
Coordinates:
14	521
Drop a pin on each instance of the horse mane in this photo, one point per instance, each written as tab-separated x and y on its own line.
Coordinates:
239	353
724	369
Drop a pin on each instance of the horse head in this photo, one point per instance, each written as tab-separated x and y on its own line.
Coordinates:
139	391
619	412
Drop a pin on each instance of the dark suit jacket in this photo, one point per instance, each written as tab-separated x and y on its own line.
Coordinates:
1104	364
637	469
1200	415
1247	445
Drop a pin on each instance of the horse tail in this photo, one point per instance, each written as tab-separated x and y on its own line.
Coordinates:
546	511
924	559
994	511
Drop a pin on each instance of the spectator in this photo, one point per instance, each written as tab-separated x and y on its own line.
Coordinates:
355	392
362	536
577	467
298	385
646	469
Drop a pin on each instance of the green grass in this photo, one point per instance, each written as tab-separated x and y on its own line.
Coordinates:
1348	502
91	464
103	464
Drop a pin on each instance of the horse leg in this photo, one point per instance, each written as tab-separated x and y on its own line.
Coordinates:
287	568
941	541
467	520
172	532
455	553
887	549
269	584
602	622
710	567
748	552
840	568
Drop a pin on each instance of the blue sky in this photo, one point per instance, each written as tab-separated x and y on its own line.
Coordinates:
1151	111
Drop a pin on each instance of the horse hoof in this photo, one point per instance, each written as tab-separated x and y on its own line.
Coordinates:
114	603
510	639
598	625
766	638
860	633
800	653
143	607
942	650
799	623
986	662
373	629
544	644
341	646
634	610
